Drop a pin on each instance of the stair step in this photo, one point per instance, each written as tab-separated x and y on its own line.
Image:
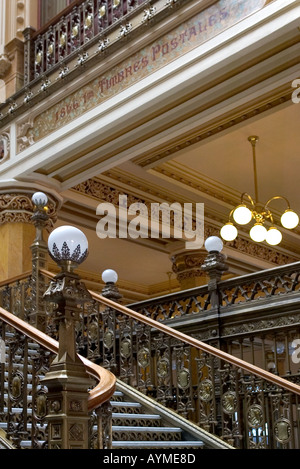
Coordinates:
116	428
157	444
128	407
135	416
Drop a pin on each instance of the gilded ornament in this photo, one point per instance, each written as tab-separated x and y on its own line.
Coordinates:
229	402
102	11
38	58
283	430
125	348
183	378
41	408
108	339
75	31
88	21
16	387
143	357
63	39
93	330
205	390
255	416
163	367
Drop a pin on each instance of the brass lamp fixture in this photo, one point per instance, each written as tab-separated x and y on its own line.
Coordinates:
243	214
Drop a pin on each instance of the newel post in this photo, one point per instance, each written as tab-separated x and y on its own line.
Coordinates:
215	266
67	379
39	252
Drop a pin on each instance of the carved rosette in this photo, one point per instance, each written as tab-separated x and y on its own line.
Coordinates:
18	208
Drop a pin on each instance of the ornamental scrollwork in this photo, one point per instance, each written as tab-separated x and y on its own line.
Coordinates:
18	208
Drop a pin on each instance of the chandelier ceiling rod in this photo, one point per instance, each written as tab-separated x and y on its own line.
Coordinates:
253	140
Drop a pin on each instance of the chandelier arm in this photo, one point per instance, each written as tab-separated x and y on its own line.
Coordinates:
275	198
230	217
249	197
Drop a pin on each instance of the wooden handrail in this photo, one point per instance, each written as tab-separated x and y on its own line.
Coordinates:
16	279
106	380
277	380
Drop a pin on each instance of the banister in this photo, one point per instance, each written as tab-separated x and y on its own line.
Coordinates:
107	381
277	380
16	279
200	345
282	269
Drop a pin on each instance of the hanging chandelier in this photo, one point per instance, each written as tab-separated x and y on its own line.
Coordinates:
258	214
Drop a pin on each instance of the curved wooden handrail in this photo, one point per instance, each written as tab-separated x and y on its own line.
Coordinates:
276	380
106	380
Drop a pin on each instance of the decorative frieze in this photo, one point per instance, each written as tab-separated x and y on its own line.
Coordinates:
18	208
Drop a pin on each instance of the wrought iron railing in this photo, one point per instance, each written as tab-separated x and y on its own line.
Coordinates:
263	331
78	24
266	285
23	395
231	398
235	400
224	393
255	317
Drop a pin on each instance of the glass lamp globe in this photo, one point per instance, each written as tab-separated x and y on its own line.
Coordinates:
258	233
109	276
213	244
39	199
229	232
273	236
68	243
289	219
242	215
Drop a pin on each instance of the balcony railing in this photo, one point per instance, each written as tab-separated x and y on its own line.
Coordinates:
77	25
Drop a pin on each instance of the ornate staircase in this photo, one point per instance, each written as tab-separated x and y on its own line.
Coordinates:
138	422
203	397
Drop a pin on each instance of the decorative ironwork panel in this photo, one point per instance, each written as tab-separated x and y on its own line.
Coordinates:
83	22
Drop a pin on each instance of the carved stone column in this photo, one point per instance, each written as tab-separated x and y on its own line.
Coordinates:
187	267
17	230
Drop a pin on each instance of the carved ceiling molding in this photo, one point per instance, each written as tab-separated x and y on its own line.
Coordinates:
176	173
106	193
18	208
215	128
